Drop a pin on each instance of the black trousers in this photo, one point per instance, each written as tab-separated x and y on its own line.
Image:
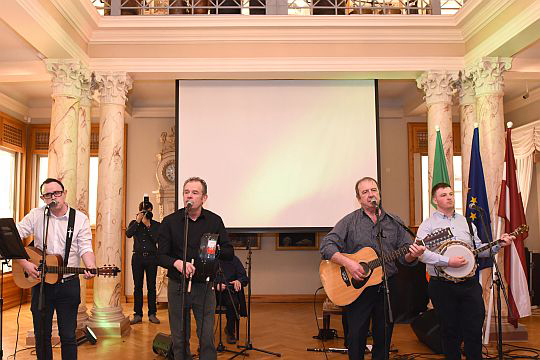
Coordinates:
139	265
461	312
202	301
222	297
369	307
65	299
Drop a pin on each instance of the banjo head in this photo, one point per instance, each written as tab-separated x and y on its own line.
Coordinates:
458	248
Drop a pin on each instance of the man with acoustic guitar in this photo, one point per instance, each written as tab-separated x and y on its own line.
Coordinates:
357	231
68	233
457	300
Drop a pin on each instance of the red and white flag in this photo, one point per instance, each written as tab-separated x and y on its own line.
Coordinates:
511	216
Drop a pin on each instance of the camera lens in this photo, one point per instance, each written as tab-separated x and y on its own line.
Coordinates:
148	214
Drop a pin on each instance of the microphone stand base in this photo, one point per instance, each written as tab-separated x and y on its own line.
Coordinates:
250	347
222	348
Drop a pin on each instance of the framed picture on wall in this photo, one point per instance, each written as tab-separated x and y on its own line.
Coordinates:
240	241
297	241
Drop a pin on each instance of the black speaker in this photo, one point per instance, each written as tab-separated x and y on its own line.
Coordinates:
162	345
427	330
532	259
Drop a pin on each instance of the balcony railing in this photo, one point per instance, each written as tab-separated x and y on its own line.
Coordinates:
277	7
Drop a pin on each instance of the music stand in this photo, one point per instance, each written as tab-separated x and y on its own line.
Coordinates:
11	247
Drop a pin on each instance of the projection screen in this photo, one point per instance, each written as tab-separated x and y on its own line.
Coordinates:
277	154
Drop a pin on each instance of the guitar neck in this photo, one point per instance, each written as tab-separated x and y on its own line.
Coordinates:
388	257
69	270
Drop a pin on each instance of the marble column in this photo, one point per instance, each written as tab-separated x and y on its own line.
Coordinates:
438	88
66	94
107	318
487	75
83	171
467	117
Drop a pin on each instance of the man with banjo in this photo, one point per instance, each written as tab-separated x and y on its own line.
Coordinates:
453	288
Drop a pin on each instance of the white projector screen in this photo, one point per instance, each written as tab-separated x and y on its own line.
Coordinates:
277	154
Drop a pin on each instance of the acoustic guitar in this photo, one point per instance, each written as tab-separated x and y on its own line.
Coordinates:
55	270
343	289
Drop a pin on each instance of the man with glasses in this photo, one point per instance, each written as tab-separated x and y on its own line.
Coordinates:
68	233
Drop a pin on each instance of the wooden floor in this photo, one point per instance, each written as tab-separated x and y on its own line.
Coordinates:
284	328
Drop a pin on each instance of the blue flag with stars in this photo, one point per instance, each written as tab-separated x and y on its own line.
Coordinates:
477	195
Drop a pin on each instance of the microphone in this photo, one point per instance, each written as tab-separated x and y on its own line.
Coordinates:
473	206
374	202
189	204
52	204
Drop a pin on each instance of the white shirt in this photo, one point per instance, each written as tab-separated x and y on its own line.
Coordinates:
33	224
460	229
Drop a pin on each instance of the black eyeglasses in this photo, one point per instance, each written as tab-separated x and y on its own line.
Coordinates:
51	194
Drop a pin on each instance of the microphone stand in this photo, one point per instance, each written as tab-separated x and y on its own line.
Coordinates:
183	300
500	287
221	275
249	345
387	308
41	300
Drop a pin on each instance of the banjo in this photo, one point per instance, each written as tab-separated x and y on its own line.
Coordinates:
459	248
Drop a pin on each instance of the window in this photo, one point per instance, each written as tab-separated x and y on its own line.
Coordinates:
43	162
426	192
419	194
7	190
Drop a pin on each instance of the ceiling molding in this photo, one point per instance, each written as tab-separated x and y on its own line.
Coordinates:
23	71
153	112
519	102
505	33
356	29
34	23
13	106
476	14
335	65
82	16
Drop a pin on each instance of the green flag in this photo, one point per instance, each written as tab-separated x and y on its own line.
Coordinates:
440	171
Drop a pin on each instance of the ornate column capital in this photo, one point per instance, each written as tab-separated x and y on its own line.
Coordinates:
66	80
465	87
113	86
487	74
86	87
438	86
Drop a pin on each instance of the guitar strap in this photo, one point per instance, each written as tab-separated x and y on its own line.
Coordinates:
471	232
69	235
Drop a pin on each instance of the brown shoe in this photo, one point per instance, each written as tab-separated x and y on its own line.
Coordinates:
153	319
137	319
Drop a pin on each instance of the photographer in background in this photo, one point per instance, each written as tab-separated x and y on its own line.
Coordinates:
144	231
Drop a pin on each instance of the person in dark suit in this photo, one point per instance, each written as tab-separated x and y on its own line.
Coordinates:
230	282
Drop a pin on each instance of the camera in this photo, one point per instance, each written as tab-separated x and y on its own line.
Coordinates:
146	207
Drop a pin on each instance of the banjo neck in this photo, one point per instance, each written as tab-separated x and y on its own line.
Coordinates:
520	230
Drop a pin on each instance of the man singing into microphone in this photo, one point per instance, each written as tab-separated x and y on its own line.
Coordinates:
201	299
352	233
459	305
68	233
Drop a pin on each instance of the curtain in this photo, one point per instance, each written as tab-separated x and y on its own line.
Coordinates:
525	140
